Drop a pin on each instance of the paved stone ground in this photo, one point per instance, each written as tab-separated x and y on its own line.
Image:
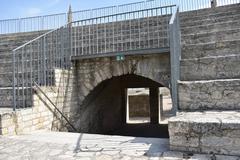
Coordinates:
67	146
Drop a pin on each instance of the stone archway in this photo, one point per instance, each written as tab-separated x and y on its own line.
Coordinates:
91	72
93	76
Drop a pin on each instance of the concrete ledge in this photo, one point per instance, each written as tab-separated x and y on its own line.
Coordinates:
209	95
215	132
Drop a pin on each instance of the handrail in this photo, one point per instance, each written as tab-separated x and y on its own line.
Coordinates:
39	88
117	14
39	37
47	22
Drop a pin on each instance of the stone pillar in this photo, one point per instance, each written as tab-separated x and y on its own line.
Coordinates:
154	105
213	3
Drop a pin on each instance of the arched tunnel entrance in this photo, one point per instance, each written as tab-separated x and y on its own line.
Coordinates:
111	106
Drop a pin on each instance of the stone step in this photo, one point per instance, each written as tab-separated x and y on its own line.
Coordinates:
6	67
213	27
8	47
210	13
5	57
210	132
222	48
8	42
234	17
6	79
13	36
209	95
216	36
6	96
221	67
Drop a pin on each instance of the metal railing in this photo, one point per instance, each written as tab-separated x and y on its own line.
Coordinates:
136	30
48	22
36	61
54	21
175	56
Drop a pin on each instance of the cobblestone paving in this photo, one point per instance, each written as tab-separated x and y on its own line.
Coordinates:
70	146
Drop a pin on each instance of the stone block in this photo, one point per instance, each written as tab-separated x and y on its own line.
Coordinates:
208	132
209	95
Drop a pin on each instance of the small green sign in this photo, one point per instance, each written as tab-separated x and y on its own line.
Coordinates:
120	57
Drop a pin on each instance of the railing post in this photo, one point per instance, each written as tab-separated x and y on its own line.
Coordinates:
69	26
175	54
44	61
13	82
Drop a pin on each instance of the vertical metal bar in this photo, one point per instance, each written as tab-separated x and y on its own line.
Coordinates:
113	23
14	81
23	80
148	31
89	37
19	24
158	28
44	61
130	28
18	78
31	70
167	34
74	36
105	31
38	61
52	58
82	37
27	73
97	34
139	32
121	34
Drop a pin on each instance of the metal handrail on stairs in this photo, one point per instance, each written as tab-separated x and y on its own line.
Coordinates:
55	107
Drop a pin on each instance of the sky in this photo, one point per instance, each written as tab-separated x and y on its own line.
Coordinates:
26	8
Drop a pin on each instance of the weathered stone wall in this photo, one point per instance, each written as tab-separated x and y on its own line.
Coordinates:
27	120
91	72
210	95
221	67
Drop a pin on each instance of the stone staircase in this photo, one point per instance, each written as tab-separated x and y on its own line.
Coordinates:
9	42
209	88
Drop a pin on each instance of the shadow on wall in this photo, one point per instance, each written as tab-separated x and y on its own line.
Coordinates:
58	99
